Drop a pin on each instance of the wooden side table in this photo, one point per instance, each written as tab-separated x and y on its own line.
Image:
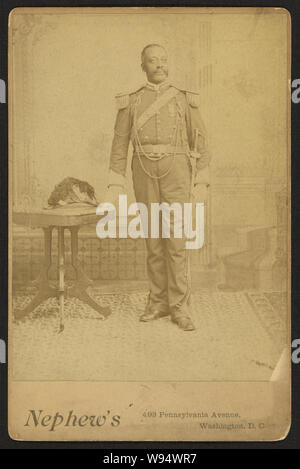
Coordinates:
70	218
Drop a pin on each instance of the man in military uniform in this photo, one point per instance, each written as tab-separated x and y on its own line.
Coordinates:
169	150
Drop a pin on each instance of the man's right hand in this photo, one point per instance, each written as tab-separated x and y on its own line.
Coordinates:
112	193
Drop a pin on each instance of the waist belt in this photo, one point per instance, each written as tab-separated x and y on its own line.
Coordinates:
160	150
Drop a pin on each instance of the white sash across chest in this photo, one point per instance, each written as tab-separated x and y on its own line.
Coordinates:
155	107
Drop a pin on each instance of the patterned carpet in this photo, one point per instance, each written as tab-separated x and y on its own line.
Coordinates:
239	336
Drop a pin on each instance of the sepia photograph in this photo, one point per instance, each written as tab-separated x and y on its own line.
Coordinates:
149	153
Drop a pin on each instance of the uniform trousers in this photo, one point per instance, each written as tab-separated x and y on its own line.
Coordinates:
167	258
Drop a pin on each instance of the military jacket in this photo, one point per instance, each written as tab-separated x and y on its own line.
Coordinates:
173	124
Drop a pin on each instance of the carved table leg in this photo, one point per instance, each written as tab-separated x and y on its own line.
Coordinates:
44	290
81	276
78	290
61	275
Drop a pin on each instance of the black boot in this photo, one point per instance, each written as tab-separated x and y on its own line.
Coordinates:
183	321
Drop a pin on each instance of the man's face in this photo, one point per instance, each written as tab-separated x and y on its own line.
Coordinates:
155	64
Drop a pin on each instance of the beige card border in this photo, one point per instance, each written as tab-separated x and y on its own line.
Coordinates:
268	403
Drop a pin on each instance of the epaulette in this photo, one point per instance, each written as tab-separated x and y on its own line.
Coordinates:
123	99
193	97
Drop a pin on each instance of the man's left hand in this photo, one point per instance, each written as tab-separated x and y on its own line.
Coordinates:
200	192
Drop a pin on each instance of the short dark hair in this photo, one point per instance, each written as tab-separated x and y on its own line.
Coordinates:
147	47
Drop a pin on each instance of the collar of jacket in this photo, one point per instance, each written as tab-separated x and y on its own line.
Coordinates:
159	86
